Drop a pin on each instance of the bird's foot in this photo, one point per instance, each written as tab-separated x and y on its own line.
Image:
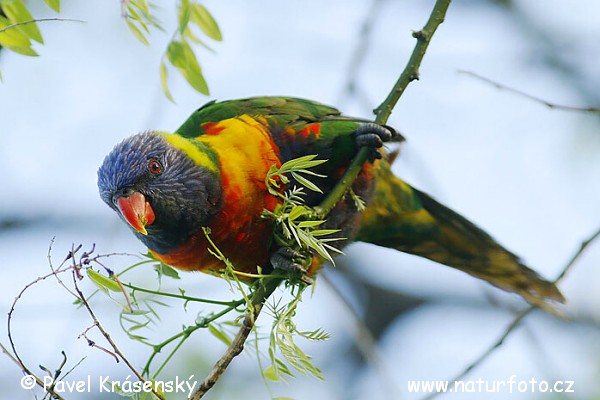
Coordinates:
293	262
373	136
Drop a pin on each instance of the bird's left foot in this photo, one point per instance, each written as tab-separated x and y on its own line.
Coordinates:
294	262
373	136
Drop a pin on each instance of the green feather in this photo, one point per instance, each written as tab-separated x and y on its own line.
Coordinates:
406	219
287	110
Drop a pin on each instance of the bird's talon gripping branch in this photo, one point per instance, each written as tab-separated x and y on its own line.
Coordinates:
292	261
373	136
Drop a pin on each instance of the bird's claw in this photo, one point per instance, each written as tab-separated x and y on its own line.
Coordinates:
373	136
292	261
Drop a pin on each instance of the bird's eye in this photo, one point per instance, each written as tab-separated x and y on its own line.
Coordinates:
154	167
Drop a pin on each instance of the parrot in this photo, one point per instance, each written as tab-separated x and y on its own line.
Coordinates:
211	173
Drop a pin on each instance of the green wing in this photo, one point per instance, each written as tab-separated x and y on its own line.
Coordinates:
298	127
282	111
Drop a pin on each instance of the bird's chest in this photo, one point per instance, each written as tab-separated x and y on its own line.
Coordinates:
243	241
237	232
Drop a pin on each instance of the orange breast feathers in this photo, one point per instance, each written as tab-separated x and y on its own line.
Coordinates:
246	152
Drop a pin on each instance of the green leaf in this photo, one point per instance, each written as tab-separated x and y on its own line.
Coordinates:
137	33
26	51
306	183
102	281
141	5
166	270
134	312
309	224
190	35
323	232
271	374
16	11
296	212
316	335
53	4
14	40
219	334
139	326
304	162
164	82
205	21
133	15
181	55
281	367
12	36
185	12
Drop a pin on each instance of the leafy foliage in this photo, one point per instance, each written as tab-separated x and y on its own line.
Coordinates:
193	22
139	19
18	29
140	313
281	341
296	225
195	26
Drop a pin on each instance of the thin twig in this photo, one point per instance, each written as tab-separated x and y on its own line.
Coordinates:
409	74
181	296
15	355
546	103
33	21
357	60
577	254
38	381
115	349
124	7
517	321
183	335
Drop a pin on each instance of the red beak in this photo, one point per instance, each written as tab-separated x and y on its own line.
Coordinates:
136	211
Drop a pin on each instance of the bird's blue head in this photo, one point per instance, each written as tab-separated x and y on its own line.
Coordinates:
158	190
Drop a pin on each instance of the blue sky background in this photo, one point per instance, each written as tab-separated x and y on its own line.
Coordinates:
526	173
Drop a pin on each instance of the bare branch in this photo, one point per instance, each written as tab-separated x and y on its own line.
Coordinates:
115	350
14	356
33	21
584	245
546	103
409	74
517	321
351	87
261	294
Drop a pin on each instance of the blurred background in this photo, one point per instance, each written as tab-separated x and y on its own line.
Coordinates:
525	172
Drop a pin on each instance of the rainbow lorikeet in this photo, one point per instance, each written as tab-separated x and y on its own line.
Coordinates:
211	173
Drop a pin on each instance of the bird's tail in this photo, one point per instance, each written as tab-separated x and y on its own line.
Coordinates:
406	219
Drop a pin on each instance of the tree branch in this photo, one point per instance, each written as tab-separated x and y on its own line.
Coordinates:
546	103
409	74
33	21
262	293
85	259
357	60
517	321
